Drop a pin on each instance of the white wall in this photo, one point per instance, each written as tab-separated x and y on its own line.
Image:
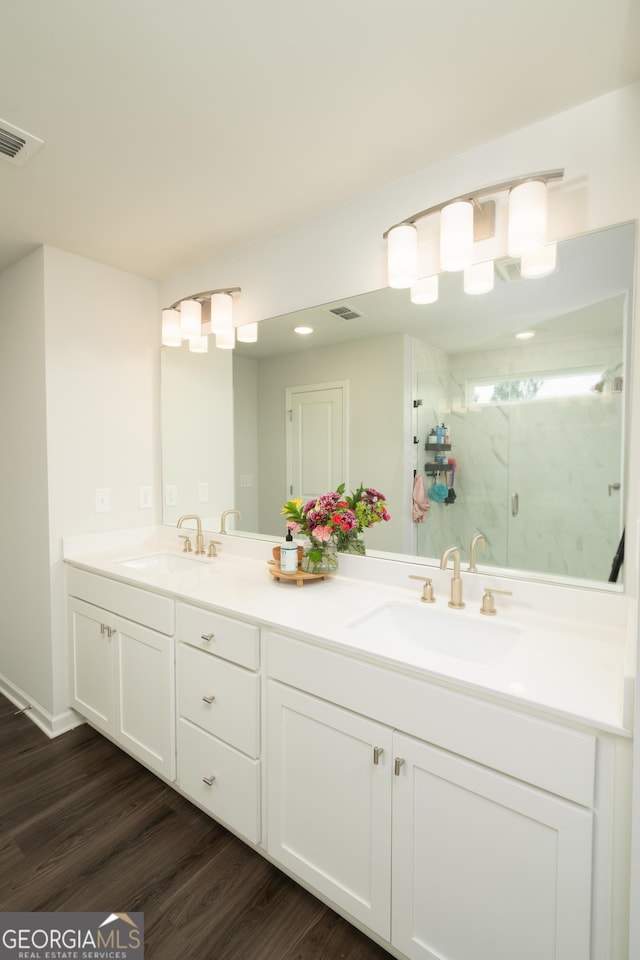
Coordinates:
25	652
102	378
79	385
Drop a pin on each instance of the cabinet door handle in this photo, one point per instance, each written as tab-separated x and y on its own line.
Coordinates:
109	631
377	753
207	636
209	780
208	699
396	767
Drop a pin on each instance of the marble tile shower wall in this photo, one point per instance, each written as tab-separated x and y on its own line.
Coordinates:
560	458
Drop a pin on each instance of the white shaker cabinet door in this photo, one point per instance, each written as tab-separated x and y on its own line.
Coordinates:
329	802
145	699
485	867
91	664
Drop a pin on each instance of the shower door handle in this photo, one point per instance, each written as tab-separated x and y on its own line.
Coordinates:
515	505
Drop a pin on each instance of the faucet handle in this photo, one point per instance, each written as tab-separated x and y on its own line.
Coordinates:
488	606
187	542
427	590
212	552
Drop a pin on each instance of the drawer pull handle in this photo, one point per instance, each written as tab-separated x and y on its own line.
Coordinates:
207	636
208	780
377	753
208	699
397	765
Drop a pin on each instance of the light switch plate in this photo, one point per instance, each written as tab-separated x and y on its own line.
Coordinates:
102	500
203	492
170	495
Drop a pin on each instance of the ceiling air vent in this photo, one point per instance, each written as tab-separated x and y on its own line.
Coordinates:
16	145
345	313
507	270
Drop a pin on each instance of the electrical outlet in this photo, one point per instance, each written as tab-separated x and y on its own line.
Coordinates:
102	500
170	495
203	492
145	497
246	480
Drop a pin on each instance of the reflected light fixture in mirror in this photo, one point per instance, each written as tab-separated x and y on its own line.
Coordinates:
425	290
465	221
247	333
226	339
540	263
185	317
478	278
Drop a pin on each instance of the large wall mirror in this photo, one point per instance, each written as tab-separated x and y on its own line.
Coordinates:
536	425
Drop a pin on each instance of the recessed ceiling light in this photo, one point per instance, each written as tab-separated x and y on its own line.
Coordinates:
303	331
525	335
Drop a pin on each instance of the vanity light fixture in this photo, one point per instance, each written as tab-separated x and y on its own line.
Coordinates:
468	219
190	318
171	328
185	316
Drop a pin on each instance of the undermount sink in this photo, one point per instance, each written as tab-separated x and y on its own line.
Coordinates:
162	563
441	631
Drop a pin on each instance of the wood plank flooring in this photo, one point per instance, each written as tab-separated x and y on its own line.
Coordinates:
85	827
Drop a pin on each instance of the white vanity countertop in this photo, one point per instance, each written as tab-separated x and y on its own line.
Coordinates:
570	662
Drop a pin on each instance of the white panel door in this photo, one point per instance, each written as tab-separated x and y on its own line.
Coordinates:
316	439
485	867
329	802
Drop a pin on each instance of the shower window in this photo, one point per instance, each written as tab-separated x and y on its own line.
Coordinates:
544	386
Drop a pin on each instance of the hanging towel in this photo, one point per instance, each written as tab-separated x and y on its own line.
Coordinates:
420	502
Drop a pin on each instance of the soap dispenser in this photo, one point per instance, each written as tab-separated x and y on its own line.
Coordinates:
289	555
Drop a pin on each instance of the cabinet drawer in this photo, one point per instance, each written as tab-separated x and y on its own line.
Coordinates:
141	606
231	639
233	715
233	795
545	754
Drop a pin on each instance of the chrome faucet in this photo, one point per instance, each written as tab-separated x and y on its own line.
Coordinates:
223	517
199	538
456	582
477	541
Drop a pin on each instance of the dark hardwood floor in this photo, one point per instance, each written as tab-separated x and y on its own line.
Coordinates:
85	827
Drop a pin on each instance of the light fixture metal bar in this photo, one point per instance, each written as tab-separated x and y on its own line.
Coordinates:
545	176
204	295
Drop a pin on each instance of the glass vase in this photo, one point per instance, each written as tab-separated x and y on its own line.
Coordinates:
319	557
352	542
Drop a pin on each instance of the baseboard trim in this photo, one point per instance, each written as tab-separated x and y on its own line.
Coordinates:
52	725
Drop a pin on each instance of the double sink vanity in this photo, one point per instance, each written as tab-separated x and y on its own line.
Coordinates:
455	785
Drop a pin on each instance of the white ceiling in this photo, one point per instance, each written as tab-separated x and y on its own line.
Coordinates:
176	129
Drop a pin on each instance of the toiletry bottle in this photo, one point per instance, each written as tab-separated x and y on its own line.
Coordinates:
289	554
439	434
432	436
